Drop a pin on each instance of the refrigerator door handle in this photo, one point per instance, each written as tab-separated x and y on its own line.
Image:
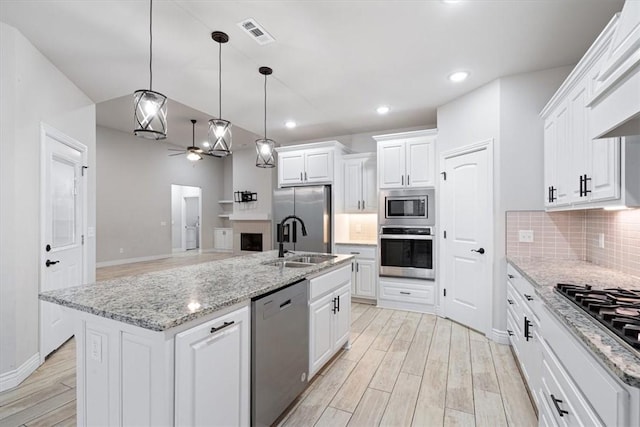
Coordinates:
294	236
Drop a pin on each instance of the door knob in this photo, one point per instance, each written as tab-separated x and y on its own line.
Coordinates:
480	251
50	263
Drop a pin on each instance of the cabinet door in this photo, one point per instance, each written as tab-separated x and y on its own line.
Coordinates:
212	372
353	185
369	185
391	161
565	176
550	162
366	278
290	168
320	332
420	163
218	239
342	318
228	239
318	166
580	145
605	169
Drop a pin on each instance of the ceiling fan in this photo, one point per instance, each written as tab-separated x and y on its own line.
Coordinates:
193	152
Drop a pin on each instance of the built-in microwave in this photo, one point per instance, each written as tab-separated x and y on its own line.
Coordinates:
407	207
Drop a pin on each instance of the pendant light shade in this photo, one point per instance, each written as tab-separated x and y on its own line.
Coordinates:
150	107
265	146
219	129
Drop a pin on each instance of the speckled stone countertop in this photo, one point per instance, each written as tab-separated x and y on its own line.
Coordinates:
165	299
545	273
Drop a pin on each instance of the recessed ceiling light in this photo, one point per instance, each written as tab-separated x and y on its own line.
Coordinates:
290	124
458	76
383	109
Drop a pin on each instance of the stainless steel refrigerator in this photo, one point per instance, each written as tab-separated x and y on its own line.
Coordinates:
313	206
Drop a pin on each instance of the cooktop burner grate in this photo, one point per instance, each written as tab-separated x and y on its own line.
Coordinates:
617	309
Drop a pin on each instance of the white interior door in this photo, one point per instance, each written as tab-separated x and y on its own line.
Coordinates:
468	222
63	223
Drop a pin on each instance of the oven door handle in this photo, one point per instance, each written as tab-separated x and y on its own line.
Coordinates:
406	237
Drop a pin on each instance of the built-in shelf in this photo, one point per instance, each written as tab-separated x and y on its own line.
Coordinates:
224	215
225	201
251	217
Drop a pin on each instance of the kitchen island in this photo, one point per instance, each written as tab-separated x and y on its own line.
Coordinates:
141	340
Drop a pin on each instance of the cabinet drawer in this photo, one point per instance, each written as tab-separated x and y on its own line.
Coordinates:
515	334
560	393
329	281
514	302
407	292
357	250
601	390
524	289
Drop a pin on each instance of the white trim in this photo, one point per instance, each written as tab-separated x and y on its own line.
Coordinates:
131	260
501	337
11	379
61	137
486	144
406	135
406	306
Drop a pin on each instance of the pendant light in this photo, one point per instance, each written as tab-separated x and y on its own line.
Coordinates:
219	129
150	107
264	146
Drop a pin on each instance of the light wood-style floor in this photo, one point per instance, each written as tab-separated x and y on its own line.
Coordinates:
403	369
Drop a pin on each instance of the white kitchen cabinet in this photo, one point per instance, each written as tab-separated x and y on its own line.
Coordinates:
360	189
223	239
309	164
329	316
364	281
407	294
210	355
407	159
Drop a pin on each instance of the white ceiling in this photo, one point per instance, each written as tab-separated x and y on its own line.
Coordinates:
334	61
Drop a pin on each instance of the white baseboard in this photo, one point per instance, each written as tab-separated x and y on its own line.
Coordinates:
500	337
11	379
131	260
406	306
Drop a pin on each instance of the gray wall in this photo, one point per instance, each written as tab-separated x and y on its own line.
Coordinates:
248	177
507	111
33	91
134	198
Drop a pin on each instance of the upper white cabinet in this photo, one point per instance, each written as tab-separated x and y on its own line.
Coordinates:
406	159
308	164
580	172
360	191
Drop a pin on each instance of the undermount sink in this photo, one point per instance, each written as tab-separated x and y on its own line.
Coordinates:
300	261
313	259
289	264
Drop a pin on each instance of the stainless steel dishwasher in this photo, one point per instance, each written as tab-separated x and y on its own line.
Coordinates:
279	351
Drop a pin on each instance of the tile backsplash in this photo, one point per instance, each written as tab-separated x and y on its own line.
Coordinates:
579	235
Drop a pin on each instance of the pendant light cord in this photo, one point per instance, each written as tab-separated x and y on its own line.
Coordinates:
265	106
150	44
220	80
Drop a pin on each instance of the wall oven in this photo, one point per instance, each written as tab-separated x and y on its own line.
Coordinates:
407	207
407	251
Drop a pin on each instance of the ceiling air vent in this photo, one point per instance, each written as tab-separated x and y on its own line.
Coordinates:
256	31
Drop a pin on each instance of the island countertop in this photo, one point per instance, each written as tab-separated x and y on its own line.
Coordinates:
545	273
165	299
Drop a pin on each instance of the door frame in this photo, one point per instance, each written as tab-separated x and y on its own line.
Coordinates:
47	130
486	144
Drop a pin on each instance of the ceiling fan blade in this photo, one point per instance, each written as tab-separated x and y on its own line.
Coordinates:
176	149
176	154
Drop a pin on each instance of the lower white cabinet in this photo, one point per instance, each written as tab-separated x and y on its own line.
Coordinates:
364	280
223	239
212	378
407	294
329	316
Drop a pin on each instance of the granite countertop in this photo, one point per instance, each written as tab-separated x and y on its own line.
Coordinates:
165	299
545	273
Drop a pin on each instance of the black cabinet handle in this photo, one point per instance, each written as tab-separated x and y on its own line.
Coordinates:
357	268
581	184
338	298
511	276
402	179
335	306
224	325
363	205
408	181
527	324
480	251
510	301
528	297
405	293
553	194
301	177
586	178
49	263
354	253
510	332
561	411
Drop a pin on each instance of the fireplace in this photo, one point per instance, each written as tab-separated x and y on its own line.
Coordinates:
251	242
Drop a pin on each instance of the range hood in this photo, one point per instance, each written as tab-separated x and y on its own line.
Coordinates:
615	104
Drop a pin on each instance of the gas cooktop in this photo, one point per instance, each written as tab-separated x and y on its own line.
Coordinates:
617	309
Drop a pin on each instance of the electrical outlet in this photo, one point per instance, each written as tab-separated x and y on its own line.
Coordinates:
601	240
121	250
96	347
525	236
163	223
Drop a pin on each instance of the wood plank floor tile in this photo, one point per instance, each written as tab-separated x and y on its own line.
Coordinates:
361	323
332	417
408	327
517	405
387	374
354	387
489	411
417	354
477	336
368	335
484	373
42	407
357	309
388	334
32	399
402	402
58	415
459	383
370	409
453	418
